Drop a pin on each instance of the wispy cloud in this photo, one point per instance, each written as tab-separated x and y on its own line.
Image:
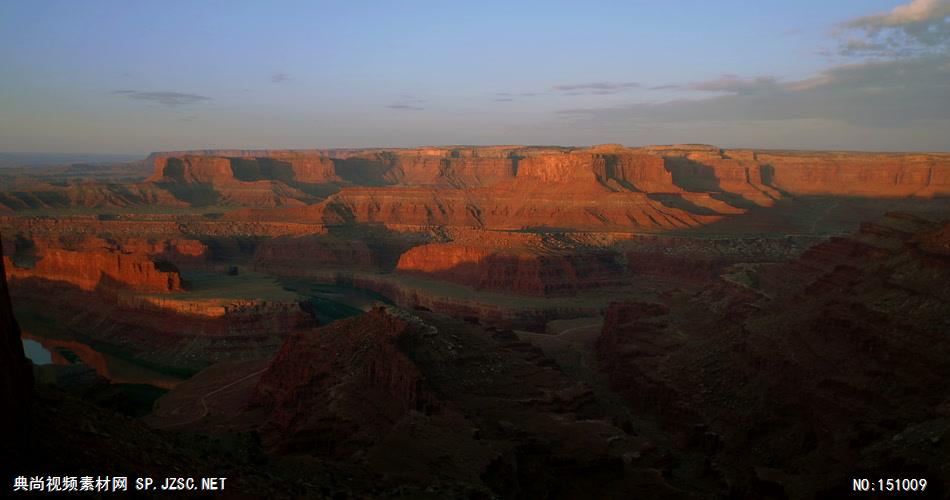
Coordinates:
898	80
917	11
915	28
408	102
595	88
512	96
280	78
167	99
406	107
886	93
734	84
730	84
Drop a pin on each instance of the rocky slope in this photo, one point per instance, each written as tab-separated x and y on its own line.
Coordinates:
84	194
426	399
341	387
176	333
804	373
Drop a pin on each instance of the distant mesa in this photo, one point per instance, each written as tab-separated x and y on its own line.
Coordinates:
607	186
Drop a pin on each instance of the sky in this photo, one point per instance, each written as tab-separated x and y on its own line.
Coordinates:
134	77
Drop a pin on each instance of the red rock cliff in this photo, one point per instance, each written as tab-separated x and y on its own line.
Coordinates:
282	166
92	263
522	272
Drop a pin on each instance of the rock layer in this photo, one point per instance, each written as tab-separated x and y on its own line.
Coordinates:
681	174
93	263
521	272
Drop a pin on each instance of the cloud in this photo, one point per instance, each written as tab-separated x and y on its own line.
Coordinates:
917	11
883	93
280	78
408	103
405	106
731	84
918	27
512	96
595	88
891	90
168	99
734	84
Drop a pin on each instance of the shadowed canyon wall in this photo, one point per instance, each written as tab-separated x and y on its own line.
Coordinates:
16	380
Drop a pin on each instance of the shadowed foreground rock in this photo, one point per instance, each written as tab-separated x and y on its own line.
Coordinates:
16	380
793	378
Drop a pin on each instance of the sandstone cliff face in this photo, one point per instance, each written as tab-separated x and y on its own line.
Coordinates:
858	174
560	168
192	169
545	265
16	379
285	178
638	172
703	172
563	207
759	175
91	263
340	387
523	272
277	178
449	172
610	189
310	169
284	166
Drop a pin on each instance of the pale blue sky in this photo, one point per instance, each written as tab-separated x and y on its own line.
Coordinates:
134	77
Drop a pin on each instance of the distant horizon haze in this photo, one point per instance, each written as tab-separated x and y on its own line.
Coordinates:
39	157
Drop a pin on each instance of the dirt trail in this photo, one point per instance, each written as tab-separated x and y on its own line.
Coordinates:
204	400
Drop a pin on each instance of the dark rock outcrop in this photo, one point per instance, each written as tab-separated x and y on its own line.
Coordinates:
16	379
341	387
807	372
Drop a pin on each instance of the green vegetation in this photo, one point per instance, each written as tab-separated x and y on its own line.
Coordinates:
248	285
333	302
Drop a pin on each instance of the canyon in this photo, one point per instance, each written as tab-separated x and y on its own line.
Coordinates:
491	321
